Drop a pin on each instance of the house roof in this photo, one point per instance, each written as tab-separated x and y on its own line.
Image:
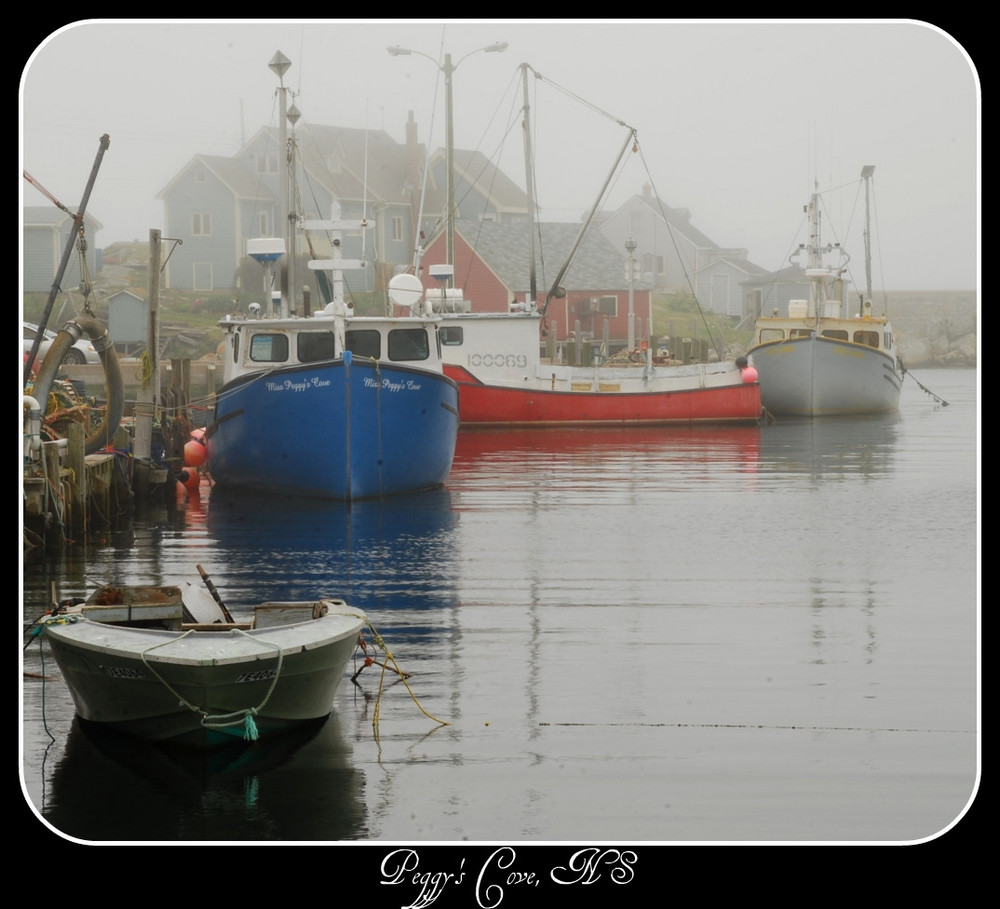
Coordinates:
230	171
503	246
679	219
791	274
372	165
473	168
50	216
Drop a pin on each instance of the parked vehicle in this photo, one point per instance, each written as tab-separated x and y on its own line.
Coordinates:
83	351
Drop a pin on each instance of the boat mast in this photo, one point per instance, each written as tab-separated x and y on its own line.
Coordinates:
586	224
866	175
532	300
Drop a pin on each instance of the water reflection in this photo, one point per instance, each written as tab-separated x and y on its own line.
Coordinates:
664	441
108	787
863	445
393	554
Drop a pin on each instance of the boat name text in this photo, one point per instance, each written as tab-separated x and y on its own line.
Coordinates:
393	385
498	875
289	385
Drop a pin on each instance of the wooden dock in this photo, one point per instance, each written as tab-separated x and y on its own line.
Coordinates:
68	494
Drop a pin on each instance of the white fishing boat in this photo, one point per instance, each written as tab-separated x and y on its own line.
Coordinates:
816	359
169	664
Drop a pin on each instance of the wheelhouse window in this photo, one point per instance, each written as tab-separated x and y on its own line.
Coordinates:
869	338
835	334
800	333
451	335
771	334
408	344
269	348
311	346
363	342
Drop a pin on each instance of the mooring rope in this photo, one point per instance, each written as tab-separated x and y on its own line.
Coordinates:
222	720
380	642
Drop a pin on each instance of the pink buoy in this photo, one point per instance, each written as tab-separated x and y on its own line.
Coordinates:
749	375
198	434
195	453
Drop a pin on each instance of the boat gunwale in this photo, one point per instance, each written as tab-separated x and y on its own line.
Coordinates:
96	637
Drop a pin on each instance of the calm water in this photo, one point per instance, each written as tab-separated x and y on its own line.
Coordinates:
758	634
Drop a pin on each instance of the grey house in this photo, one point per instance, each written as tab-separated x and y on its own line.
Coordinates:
45	232
215	204
677	258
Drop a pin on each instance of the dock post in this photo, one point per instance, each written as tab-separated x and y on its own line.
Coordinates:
75	461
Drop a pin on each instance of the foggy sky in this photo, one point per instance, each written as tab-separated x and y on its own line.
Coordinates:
736	120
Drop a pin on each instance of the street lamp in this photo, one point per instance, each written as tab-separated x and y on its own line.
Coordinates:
448	68
630	246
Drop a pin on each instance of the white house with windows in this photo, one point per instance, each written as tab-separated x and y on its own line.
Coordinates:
675	257
215	204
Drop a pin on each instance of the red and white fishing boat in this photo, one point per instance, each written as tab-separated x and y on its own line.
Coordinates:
509	372
496	359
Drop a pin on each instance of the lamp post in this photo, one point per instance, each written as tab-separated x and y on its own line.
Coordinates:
630	246
448	68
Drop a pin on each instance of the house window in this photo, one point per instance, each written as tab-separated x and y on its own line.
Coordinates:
200	176
201	224
397	228
607	306
264	224
659	264
635	223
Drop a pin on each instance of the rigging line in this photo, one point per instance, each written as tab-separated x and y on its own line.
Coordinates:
583	101
680	258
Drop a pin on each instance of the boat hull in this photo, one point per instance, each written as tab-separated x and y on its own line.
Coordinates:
817	376
196	687
334	430
601	401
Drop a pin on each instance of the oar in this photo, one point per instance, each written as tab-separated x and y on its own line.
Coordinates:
215	593
906	372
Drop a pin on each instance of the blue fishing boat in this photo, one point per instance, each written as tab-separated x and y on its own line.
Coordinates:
333	406
330	405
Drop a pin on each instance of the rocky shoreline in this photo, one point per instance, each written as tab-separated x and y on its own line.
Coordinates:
933	328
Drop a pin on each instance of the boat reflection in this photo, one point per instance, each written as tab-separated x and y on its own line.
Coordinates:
113	788
387	557
663	443
859	445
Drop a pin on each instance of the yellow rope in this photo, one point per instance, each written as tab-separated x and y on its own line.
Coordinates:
377	638
144	369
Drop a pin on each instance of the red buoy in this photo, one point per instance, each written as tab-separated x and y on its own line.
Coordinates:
195	453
